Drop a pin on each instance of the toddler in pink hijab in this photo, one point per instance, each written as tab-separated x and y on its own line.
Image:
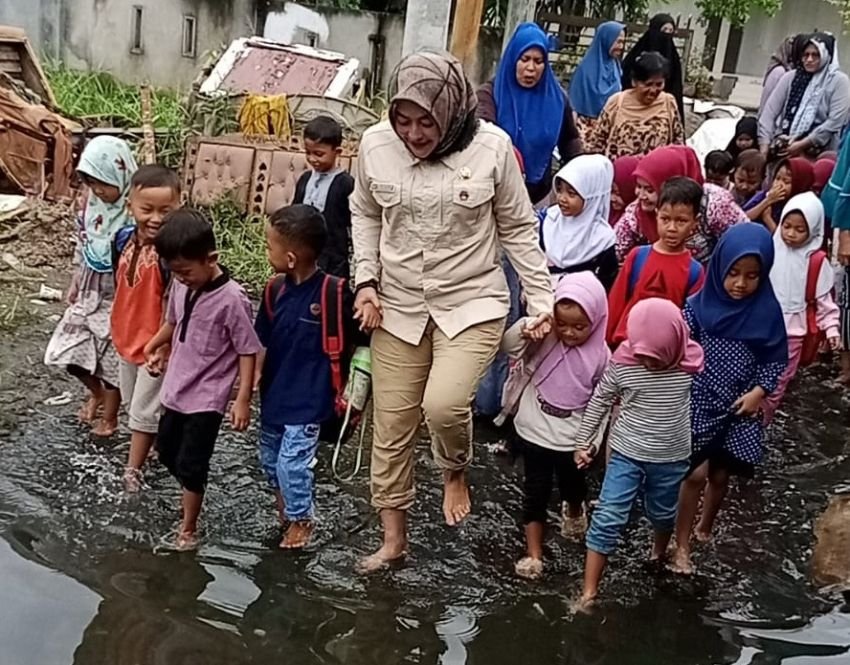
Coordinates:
550	386
651	374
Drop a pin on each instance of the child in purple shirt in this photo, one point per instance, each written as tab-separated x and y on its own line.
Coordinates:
212	342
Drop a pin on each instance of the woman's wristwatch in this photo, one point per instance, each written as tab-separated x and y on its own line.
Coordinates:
369	284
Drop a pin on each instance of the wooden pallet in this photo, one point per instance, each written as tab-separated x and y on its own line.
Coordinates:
19	62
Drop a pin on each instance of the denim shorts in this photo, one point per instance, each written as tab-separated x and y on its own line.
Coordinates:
624	479
287	455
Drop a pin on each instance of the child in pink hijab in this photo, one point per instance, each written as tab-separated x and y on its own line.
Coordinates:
651	374
550	386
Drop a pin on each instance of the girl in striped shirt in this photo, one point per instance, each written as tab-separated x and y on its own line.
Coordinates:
651	373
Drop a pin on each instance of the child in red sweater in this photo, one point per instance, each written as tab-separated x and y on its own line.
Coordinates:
664	269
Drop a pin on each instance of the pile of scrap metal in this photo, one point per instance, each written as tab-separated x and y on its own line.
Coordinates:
258	169
35	142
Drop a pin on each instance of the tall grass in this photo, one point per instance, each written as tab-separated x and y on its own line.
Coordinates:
100	98
99	94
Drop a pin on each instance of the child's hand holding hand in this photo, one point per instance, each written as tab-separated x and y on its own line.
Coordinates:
367	309
155	361
240	414
537	328
834	343
584	456
749	403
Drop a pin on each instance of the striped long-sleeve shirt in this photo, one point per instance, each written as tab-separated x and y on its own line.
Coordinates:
654	424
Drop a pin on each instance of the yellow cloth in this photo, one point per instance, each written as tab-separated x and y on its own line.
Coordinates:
265	115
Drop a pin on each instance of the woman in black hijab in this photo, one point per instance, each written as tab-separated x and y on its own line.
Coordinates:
659	37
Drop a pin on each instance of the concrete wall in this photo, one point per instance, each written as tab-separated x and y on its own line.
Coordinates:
40	18
348	32
97	34
339	30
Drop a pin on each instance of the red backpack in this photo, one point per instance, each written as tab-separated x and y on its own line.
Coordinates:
333	328
814	338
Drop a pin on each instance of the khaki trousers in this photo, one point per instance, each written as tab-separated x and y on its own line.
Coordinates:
438	376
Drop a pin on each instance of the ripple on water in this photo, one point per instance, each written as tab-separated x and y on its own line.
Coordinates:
239	600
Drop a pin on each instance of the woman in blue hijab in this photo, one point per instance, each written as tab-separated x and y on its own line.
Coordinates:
598	75
526	100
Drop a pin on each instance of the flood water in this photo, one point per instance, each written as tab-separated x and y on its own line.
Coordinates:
85	580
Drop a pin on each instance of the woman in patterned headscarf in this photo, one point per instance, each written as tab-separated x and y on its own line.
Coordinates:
810	105
81	342
437	194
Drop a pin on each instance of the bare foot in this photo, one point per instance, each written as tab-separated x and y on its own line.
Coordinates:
186	541
133	480
583	605
385	557
573	522
681	562
88	411
297	535
529	568
456	503
104	428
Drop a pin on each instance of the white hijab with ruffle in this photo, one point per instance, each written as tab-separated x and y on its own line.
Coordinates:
571	241
791	265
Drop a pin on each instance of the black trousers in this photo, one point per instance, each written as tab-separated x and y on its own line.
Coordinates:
185	443
542	467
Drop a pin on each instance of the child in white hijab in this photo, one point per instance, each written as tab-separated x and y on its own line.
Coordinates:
802	280
575	232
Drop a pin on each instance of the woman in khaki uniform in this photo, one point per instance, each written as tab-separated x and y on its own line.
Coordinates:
437	193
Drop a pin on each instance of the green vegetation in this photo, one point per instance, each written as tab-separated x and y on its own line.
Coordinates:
98	99
241	242
99	95
737	12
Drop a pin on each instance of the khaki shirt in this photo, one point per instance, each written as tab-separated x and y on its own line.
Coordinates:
429	233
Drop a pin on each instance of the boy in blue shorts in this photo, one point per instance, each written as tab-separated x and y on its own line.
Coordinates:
297	376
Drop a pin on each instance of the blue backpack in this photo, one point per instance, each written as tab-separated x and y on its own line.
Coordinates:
640	260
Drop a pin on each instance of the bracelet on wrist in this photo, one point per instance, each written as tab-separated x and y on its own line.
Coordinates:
369	284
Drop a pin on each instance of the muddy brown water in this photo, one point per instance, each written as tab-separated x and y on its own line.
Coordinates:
85	581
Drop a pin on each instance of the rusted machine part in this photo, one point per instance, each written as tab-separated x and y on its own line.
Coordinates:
830	566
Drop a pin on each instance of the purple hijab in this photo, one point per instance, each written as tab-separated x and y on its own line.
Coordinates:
568	374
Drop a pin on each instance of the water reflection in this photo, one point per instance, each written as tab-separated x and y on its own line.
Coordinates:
118	600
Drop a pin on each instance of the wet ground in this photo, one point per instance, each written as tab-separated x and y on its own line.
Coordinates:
85	580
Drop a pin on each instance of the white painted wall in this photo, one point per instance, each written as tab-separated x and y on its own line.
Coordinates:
339	30
96	34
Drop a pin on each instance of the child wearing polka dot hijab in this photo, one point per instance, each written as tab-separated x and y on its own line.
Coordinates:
738	321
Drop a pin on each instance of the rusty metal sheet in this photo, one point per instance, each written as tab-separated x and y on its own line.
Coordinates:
261	66
273	72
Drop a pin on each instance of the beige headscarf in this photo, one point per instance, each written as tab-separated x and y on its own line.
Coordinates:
435	82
